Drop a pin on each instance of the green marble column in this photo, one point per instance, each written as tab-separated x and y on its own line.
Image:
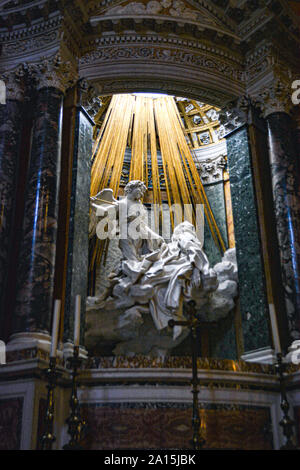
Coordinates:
253	300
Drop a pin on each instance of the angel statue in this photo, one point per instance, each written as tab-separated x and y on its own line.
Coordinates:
153	278
135	236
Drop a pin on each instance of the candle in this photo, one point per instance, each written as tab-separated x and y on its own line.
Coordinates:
77	320
274	327
55	328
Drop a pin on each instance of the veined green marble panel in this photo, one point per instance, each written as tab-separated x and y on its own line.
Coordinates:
254	309
77	273
215	195
221	339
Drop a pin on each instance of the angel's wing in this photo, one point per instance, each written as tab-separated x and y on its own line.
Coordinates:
104	197
99	204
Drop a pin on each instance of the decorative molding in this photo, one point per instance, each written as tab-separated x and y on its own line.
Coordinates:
154	40
137	65
175	362
259	18
41	27
163	85
259	62
36	43
17	6
159	54
268	62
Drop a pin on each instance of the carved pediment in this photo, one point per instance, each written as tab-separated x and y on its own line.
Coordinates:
172	10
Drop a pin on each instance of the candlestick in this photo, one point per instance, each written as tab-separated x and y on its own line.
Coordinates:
76	425
286	422
193	322
55	328
51	374
274	327
77	320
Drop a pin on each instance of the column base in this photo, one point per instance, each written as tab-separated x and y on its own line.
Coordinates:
261	356
29	340
68	349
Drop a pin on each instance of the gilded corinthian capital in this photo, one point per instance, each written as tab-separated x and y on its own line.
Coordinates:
53	72
14	83
274	98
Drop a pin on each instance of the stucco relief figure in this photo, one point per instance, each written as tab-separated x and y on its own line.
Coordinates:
176	8
153	278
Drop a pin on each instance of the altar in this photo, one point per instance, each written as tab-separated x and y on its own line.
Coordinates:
149	226
146	403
